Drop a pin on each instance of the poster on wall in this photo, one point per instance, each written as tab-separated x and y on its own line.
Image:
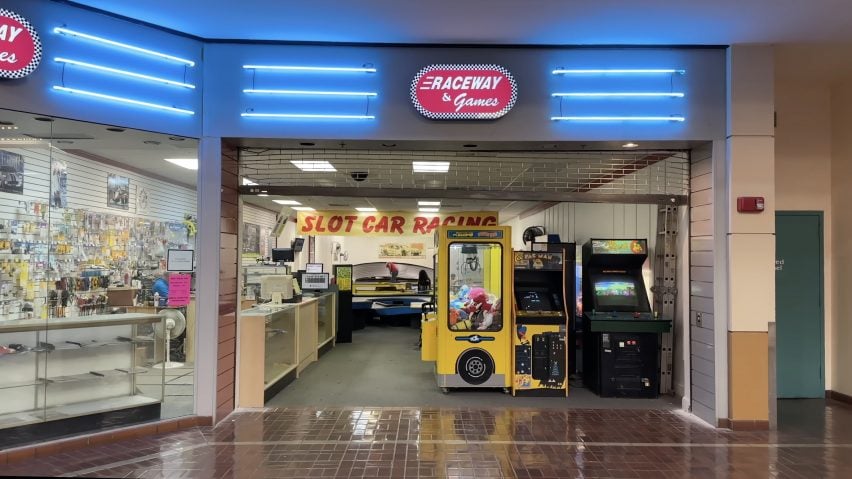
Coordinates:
251	239
59	184
401	250
118	192
11	172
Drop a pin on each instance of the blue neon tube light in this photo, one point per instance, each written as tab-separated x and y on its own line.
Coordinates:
311	92
618	118
310	69
307	116
92	66
621	95
119	99
114	43
603	71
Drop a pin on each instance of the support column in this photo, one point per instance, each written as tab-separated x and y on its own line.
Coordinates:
207	274
750	160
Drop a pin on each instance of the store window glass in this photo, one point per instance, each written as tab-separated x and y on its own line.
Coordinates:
92	323
476	282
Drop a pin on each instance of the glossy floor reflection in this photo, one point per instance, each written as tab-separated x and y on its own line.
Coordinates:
814	441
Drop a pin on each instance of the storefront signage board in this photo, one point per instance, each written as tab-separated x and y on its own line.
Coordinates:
20	47
464	92
397	223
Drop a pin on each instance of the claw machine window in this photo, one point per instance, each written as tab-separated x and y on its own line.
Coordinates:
476	282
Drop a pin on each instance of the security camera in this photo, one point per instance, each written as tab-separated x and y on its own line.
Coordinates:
359	175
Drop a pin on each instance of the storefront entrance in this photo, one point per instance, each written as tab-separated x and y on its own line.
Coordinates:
365	209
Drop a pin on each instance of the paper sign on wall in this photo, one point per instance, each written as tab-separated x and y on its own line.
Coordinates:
179	289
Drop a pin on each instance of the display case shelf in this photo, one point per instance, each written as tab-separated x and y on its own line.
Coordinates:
22	384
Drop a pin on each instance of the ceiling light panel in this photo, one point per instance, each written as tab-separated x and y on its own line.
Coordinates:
188	163
430	166
309	165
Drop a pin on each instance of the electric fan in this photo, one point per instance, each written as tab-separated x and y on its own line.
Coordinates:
531	233
172	326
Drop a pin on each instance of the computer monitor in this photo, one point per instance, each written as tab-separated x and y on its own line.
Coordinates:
298	243
314	281
313	268
276	283
283	255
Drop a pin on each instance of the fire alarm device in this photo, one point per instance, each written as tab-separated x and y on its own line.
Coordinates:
750	204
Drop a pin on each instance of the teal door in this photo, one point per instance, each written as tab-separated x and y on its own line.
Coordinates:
799	305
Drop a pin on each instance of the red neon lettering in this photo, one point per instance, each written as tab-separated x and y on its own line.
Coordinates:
368	224
350	220
335	223
473	221
319	227
420	224
308	225
490	221
449	220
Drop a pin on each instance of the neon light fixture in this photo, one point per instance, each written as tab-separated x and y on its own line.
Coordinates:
637	71
311	69
621	95
188	163
311	92
106	41
302	208
429	210
287	202
618	118
308	116
123	100
365	209
92	66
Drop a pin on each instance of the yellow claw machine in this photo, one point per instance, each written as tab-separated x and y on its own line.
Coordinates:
470	334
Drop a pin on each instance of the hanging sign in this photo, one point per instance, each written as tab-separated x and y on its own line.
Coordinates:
344	223
464	92
20	48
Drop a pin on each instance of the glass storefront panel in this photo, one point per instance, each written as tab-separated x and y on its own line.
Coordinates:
91	321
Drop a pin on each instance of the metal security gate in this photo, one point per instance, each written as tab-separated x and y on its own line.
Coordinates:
600	176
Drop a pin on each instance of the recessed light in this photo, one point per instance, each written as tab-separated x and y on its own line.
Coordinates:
313	165
307	143
366	209
115	129
630	145
248	182
286	202
430	210
188	163
470	145
303	208
8	127
262	194
176	138
428	203
151	142
431	166
43	118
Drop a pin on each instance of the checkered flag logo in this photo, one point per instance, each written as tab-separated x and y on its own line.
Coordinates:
462	115
30	67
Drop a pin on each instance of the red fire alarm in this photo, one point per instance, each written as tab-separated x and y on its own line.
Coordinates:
750	204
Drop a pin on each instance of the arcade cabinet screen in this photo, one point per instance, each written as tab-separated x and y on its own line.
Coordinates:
534	301
616	294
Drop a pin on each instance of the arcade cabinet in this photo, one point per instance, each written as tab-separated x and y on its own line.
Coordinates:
472	332
620	334
542	316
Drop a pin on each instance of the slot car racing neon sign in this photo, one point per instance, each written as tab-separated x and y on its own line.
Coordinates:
20	47
464	91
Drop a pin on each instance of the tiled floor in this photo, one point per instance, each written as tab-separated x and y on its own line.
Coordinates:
476	443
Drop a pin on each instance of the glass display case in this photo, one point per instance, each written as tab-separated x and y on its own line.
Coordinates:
64	368
280	345
326	329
